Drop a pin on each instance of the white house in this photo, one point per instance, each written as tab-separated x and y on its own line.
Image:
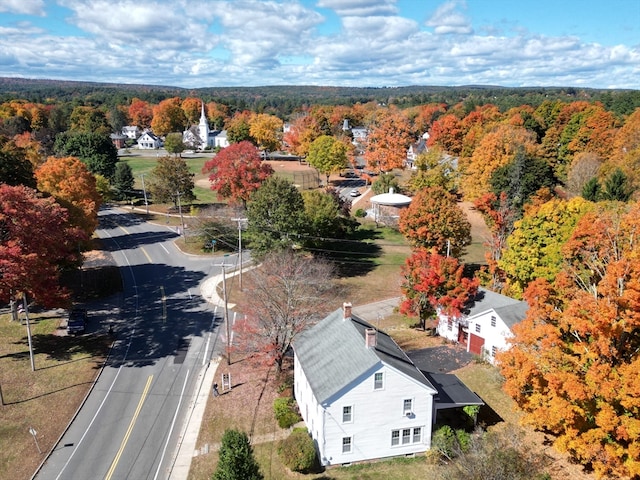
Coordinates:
220	140
485	325
416	149
131	131
149	141
359	394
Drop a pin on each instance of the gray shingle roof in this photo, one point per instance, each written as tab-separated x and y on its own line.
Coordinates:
452	392
333	354
510	310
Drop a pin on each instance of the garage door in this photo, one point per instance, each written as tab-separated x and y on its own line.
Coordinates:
475	344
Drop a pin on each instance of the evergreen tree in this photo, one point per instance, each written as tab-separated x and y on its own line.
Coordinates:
123	180
591	190
616	187
94	149
236	458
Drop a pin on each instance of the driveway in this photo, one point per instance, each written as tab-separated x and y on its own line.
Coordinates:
441	359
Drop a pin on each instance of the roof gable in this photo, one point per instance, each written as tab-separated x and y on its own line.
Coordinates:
510	310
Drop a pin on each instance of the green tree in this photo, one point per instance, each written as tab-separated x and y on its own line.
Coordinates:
117	116
276	216
171	179
95	150
591	190
89	120
173	143
616	187
521	178
384	183
323	217
327	155
534	249
15	168
433	219
435	169
236	459
123	181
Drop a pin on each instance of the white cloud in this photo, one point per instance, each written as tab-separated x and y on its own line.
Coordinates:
360	8
24	7
447	20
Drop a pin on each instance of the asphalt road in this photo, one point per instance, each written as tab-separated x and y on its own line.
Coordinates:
130	425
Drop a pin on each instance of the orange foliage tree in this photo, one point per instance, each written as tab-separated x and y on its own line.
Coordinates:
573	364
140	113
266	130
192	108
432	283
447	133
387	142
69	181
434	220
168	117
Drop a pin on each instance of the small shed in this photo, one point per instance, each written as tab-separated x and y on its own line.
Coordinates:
386	207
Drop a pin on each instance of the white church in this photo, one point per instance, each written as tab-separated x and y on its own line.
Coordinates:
199	137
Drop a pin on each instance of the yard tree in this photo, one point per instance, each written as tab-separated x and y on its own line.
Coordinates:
140	113
192	108
37	244
573	364
534	249
89	120
173	143
434	169
433	283
15	167
171	181
286	294
168	117
117	117
236	171
123	181
266	130
236	460
276	216
387	141
69	181
327	155
238	127
323	217
302	132
95	150
433	219
448	133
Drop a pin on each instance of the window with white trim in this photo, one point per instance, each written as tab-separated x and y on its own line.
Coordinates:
346	444
406	436
378	381
477	328
347	414
494	350
449	324
407	405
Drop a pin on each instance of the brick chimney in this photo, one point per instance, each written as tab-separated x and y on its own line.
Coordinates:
370	337
346	308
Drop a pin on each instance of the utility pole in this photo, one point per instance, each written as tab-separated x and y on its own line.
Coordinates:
144	192
226	312
240	220
26	316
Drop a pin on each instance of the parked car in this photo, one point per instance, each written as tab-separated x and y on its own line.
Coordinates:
77	321
355	192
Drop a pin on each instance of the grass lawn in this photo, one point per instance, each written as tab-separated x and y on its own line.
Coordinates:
44	399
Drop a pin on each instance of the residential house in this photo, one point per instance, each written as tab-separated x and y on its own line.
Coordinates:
359	134
149	141
131	131
359	394
220	140
485	326
118	140
416	149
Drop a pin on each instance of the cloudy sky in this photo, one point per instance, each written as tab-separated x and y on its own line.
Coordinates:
365	43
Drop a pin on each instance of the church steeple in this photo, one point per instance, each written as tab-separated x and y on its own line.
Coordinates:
203	128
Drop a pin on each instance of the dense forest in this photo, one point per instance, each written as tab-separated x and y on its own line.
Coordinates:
284	100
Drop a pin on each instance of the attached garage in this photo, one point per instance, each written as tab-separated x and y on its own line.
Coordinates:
475	344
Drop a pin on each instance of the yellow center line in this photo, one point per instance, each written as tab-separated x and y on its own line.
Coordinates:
146	254
129	430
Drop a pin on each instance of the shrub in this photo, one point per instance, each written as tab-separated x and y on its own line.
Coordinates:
285	413
298	452
237	461
360	213
450	443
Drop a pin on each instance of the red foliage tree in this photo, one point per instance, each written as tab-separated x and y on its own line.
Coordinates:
237	171
140	113
37	243
433	283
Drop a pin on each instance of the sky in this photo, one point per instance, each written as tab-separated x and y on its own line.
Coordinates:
357	43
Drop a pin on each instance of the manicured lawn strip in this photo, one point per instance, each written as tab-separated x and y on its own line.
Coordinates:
47	398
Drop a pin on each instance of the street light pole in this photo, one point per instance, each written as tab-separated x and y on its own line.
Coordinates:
26	316
240	220
226	312
178	194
